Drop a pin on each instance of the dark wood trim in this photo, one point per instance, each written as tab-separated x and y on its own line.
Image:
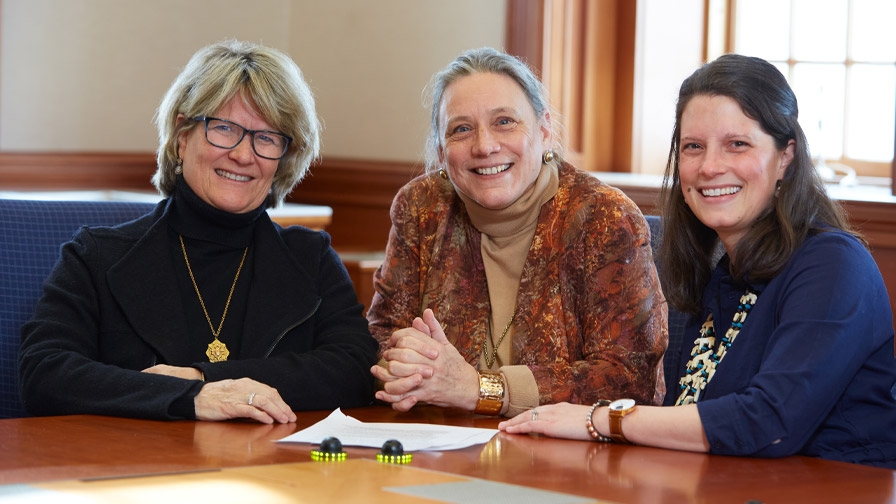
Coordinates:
626	21
706	29
585	53
332	181
360	193
83	170
354	181
525	32
646	198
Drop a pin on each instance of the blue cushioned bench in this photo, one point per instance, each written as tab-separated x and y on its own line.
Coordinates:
31	234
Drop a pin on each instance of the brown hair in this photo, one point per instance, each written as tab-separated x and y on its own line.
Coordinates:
801	206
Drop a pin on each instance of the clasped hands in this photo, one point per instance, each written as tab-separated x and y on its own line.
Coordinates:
228	399
423	366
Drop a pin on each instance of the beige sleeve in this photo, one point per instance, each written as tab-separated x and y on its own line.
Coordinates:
522	391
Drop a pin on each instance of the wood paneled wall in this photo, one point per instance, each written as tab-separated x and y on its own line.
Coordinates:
81	171
584	52
360	193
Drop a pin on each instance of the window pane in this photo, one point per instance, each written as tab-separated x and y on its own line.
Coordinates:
820	91
872	35
871	106
759	34
819	29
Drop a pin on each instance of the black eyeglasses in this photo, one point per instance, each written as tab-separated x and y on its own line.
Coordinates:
227	135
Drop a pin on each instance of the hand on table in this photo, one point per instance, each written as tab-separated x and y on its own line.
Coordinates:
242	398
227	399
423	366
561	420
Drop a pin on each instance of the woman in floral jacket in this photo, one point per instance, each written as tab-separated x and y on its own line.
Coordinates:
511	278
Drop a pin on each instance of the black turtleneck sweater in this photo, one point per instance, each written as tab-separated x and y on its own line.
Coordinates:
214	241
121	300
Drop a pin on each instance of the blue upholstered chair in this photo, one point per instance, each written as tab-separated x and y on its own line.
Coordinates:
31	233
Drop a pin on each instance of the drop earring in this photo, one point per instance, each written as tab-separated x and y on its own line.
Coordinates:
178	167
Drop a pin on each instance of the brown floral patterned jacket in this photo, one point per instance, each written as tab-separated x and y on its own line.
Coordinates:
591	319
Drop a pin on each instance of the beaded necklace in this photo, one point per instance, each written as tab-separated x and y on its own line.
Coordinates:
704	360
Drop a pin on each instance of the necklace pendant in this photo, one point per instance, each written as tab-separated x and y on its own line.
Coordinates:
217	351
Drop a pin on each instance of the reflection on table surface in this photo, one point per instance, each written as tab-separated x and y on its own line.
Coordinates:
85	446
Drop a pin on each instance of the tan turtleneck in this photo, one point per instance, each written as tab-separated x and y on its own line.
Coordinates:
506	238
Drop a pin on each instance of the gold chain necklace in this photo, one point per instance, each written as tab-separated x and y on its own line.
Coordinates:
217	351
489	362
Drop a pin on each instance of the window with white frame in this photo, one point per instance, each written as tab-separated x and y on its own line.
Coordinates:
840	58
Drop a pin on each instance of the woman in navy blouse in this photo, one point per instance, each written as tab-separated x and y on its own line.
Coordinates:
789	349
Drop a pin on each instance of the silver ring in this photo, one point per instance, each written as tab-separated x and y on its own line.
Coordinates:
251	397
534	415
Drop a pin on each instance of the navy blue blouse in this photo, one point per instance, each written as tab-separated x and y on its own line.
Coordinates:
813	371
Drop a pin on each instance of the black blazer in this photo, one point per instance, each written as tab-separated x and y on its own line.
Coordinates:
111	308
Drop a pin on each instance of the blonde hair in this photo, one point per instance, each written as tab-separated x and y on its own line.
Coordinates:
268	81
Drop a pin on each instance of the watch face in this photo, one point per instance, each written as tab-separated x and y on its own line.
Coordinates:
622	404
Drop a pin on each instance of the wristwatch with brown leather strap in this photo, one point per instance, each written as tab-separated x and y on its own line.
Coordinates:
618	409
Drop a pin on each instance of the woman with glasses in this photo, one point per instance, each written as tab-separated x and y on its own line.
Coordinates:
205	308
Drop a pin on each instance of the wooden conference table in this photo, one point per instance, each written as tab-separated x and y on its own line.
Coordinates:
84	449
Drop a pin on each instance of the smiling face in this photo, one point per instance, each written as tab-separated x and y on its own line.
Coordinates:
492	140
234	180
728	166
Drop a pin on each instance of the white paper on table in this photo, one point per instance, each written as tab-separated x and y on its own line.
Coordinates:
413	436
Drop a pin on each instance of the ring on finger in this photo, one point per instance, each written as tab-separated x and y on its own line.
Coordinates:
251	398
534	415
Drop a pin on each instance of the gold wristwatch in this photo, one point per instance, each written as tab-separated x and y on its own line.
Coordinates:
491	393
618	409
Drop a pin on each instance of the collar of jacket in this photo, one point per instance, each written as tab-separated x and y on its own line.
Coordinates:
147	293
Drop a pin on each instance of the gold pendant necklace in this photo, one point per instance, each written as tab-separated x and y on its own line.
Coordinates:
490	362
217	350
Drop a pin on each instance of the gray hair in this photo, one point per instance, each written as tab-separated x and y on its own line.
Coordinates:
485	60
268	81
